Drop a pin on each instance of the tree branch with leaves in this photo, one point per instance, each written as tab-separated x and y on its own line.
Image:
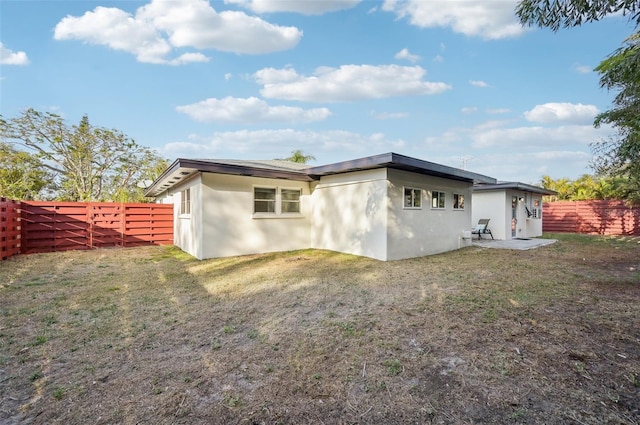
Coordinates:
299	157
556	14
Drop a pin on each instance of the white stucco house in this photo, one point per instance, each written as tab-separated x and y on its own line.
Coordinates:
514	209
386	207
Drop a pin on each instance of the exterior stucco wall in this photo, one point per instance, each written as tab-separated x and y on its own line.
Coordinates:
494	206
186	232
426	231
349	213
526	227
230	228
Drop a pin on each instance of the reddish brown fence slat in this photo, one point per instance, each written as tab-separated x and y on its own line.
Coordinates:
54	226
147	223
591	217
9	228
60	226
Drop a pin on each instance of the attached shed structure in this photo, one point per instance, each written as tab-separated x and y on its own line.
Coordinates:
386	207
514	209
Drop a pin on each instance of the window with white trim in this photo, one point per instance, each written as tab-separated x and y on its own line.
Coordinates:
412	198
290	200
185	202
264	200
458	201
276	201
537	211
438	199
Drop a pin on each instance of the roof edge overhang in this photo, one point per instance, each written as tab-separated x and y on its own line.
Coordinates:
399	162
513	186
182	168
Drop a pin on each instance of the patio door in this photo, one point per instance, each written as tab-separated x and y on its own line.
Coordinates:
514	216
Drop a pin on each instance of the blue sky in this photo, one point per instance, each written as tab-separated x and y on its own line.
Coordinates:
456	82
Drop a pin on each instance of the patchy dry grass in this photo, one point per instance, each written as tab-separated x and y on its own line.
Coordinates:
149	335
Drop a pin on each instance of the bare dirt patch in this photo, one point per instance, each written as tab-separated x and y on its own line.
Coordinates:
150	335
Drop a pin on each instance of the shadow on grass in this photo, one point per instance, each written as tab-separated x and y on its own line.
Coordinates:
151	334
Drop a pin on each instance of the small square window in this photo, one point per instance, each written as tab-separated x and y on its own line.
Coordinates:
438	200
458	201
264	200
290	202
412	198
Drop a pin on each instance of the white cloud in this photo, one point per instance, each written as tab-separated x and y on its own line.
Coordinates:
491	124
583	69
531	166
404	54
275	143
469	109
519	153
562	112
159	27
489	19
249	111
438	58
498	111
499	134
276	76
9	57
533	138
347	83
478	83
116	29
303	7
188	58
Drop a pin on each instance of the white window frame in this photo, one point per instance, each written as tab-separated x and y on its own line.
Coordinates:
293	202
413	192
440	205
274	200
278	211
536	210
185	202
459	196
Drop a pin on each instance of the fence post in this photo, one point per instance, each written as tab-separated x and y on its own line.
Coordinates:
123	227
90	218
10	228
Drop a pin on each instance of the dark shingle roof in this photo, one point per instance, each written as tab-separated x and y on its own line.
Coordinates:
280	169
267	164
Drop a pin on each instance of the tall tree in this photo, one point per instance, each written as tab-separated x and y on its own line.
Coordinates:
562	186
22	176
88	163
299	157
586	187
618	156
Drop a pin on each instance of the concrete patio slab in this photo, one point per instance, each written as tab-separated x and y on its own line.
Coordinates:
518	244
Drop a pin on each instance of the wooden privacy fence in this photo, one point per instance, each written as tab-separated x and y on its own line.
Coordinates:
591	217
9	228
60	226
